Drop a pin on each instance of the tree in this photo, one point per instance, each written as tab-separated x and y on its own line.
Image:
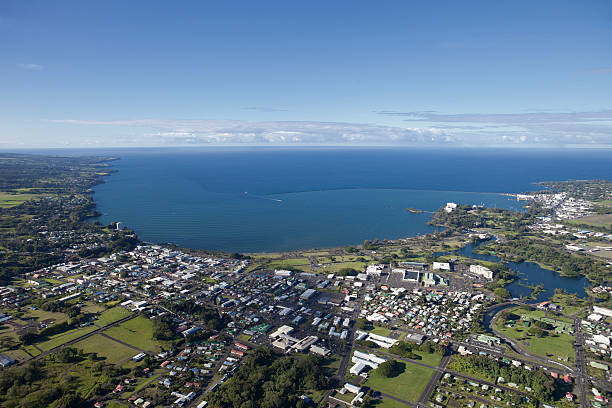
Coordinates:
502	293
390	368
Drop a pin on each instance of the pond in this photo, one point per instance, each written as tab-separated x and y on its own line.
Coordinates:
531	274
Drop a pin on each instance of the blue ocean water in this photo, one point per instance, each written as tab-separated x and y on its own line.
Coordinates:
277	199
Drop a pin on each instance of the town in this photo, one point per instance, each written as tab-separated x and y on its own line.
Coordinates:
412	322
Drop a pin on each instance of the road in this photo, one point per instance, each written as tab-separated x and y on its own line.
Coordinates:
580	362
433	382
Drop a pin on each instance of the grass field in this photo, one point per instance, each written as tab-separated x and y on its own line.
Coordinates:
601	220
432	359
112	351
31	350
381	331
300	263
408	386
91	307
137	332
8	200
112	315
389	403
541	313
42	315
18	354
65	337
571	304
553	345
337	266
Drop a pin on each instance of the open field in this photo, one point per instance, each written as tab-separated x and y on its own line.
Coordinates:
112	315
112	351
432	359
18	355
42	315
137	332
91	307
335	267
65	337
408	385
389	403
381	331
601	220
8	200
553	345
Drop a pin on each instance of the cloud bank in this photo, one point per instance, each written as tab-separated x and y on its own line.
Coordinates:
426	128
228	132
557	128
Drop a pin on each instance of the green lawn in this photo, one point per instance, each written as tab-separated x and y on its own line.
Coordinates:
389	403
432	359
381	331
359	266
553	345
137	332
112	315
407	386
299	263
112	351
31	350
540	313
115	404
65	337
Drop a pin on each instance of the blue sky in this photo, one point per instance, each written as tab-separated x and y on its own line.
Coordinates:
149	73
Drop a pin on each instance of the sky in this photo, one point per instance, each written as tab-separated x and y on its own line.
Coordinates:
440	73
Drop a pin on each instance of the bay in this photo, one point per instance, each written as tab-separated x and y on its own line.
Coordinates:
278	199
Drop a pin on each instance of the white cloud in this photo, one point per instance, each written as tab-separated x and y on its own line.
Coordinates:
544	127
270	132
480	130
31	67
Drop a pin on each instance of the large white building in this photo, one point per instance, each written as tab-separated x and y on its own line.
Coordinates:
481	271
375	269
602	311
363	361
441	266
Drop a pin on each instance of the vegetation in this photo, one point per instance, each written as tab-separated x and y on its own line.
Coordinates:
543	385
265	380
407	386
555	256
390	368
65	379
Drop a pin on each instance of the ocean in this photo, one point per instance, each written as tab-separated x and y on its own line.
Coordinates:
280	199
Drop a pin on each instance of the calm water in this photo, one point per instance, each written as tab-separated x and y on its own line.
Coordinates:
246	200
532	274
